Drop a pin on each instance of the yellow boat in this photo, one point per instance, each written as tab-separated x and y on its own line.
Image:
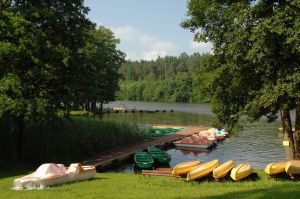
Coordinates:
202	170
222	170
241	171
274	168
185	167
293	167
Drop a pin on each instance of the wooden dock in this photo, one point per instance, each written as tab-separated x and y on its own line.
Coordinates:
120	110
122	153
160	172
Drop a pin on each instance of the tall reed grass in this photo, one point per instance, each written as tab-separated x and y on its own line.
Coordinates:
78	138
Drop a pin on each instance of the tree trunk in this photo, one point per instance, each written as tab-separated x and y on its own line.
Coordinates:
87	105
20	138
297	122
67	110
287	133
101	109
297	132
93	106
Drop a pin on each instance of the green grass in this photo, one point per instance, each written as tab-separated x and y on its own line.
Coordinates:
120	185
80	113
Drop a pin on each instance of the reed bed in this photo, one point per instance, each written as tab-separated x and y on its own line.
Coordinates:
66	140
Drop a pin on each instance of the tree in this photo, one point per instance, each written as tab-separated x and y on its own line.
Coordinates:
39	65
103	61
255	70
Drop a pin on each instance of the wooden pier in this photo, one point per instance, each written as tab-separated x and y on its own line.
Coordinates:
122	153
160	172
125	110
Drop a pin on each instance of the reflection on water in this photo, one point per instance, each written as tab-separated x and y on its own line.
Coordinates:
257	143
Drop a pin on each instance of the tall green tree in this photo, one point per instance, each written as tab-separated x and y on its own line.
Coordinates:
39	58
255	70
103	60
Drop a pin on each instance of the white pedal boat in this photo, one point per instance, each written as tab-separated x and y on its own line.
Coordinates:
51	174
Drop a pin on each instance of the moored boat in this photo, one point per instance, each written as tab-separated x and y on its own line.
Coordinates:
159	155
222	170
51	174
143	160
274	168
293	167
241	171
202	170
195	141
119	109
185	167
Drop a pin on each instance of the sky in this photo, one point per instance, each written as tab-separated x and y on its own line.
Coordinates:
147	28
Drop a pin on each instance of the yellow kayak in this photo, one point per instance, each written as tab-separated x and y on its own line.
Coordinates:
274	168
222	170
185	167
241	171
293	167
202	170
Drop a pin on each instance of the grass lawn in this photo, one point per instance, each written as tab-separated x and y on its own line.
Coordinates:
119	185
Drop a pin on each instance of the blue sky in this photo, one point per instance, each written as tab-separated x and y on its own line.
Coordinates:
147	28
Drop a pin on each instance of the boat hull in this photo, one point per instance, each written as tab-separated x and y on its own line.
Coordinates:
32	182
293	167
143	160
193	146
222	170
241	171
275	168
202	170
159	155
185	167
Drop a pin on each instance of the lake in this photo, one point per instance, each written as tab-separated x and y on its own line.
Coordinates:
257	143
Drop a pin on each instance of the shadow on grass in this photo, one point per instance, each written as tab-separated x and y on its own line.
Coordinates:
97	178
13	168
274	192
227	178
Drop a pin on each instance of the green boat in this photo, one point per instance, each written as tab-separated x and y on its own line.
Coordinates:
143	160
159	155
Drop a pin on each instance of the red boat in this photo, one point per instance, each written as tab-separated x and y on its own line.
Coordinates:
195	141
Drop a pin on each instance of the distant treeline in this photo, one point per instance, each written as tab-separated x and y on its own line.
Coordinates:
170	79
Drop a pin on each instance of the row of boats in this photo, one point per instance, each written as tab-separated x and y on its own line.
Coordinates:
146	160
194	170
202	140
51	174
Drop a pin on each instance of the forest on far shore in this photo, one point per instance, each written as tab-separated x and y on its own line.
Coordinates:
167	79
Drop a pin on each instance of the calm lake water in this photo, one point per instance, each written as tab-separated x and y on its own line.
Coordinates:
257	143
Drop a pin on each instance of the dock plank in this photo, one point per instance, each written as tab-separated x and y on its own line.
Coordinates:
120	153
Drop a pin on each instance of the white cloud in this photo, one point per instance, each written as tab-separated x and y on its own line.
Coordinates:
125	33
201	46
153	54
147	39
133	56
150	46
164	46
